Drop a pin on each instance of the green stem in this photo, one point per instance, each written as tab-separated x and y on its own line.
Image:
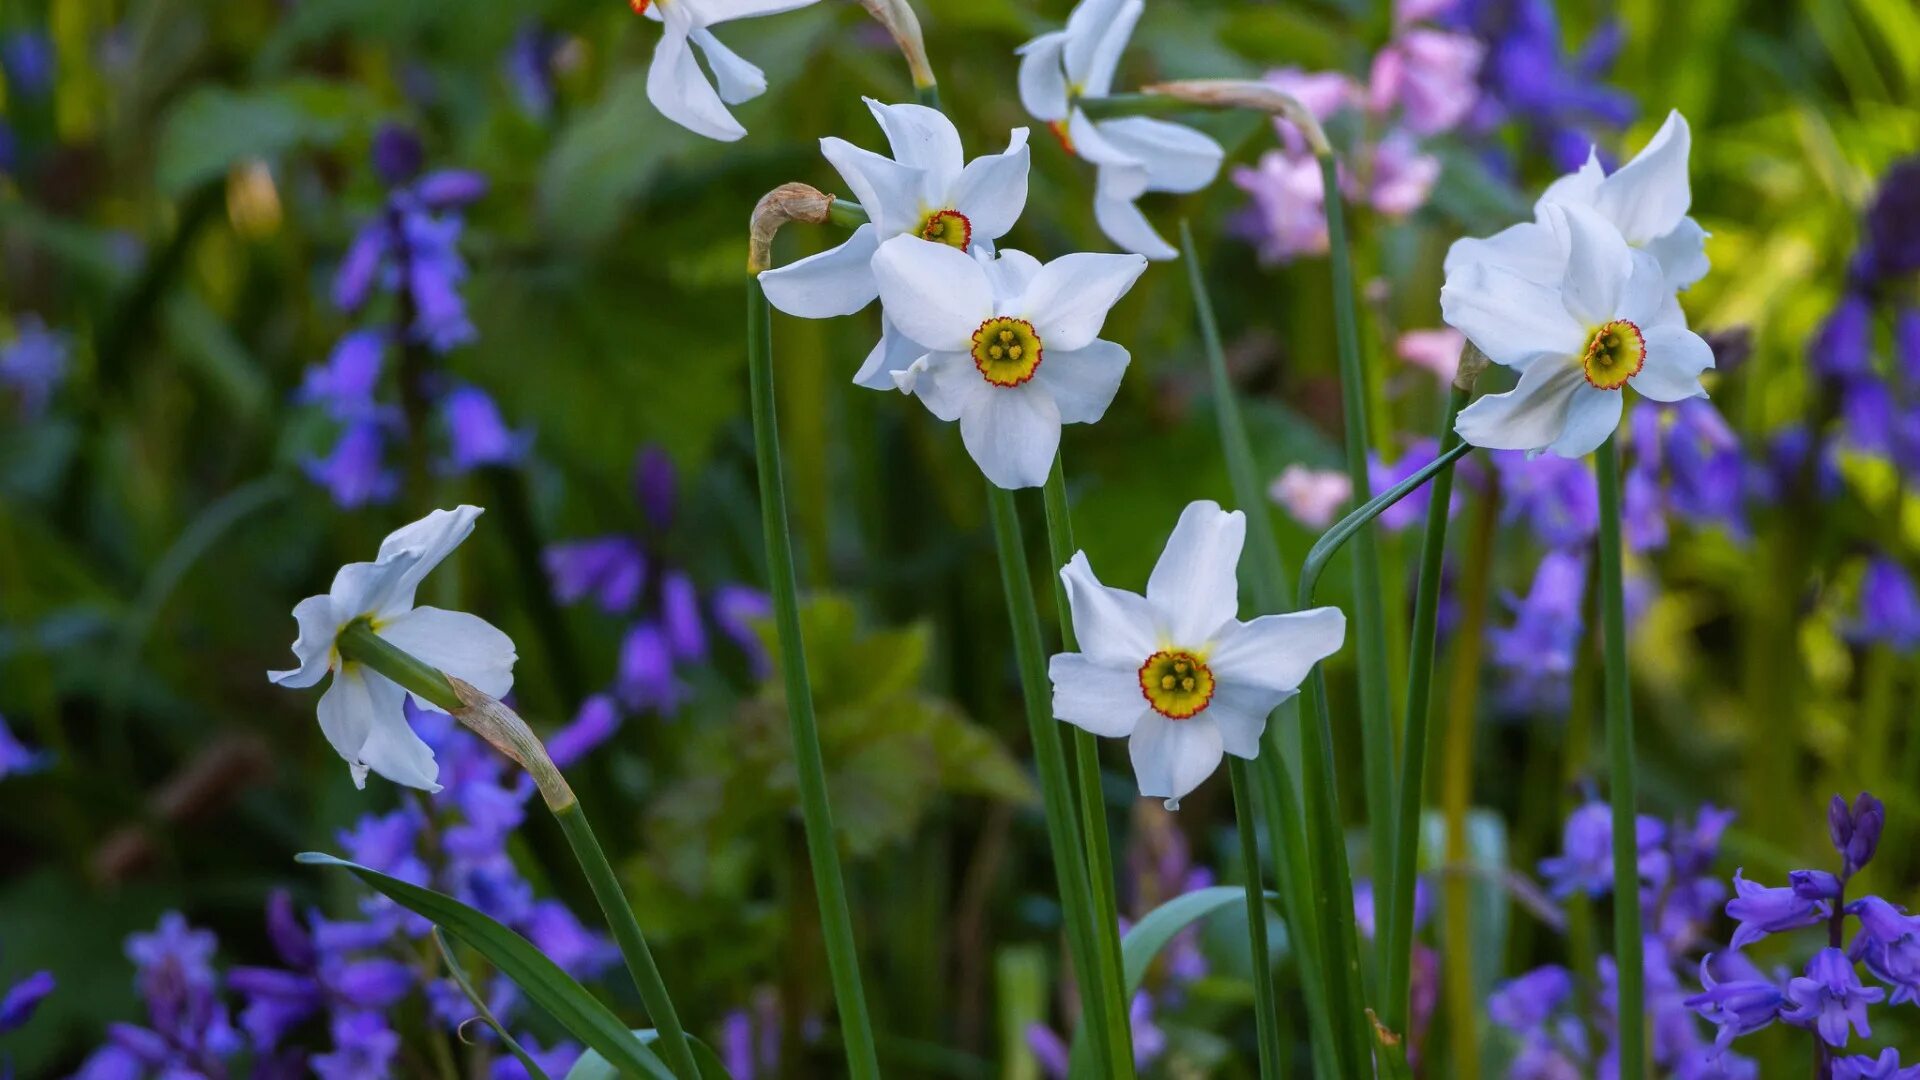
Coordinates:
1413	766
1369	612
358	643
1456	792
1627	952
823	852
1266	1014
1086	758
1112	1056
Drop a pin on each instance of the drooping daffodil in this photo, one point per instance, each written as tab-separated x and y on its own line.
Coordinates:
1176	672
1132	155
1646	199
1577	344
675	83
1006	346
926	189
362	712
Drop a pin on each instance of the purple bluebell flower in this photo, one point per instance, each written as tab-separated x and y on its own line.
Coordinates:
354	474
33	364
1869	416
1049	1049
736	610
363	1046
1761	911
1867	818
478	434
359	269
1885	1067
1706	471
17	1005
1537	651
1813	884
529	65
450	189
1906	344
1527	74
680	619
1889	607
656	486
1787	454
1830	998
596	722
612	569
1556	497
750	1038
1527	1001
16	758
190	1033
1841	347
432	275
646	681
554	1061
397	154
1892	231
345	384
1585	864
29	58
1889	943
1737	1006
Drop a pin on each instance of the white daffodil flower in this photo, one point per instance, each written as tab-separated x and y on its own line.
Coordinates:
1133	155
1175	671
1577	344
675	83
926	189
1646	199
1008	347
361	712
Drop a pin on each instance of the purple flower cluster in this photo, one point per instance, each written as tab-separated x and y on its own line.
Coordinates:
16	758
1678	900
408	254
631	576
1528	77
1828	996
347	978
32	365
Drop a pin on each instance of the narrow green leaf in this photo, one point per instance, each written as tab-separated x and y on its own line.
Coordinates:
592	1066
481	1012
539	978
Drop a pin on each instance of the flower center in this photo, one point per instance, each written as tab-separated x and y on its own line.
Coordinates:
639	6
1006	350
1176	684
949	227
1615	353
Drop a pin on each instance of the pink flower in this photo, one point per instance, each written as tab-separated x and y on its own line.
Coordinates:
1431	75
1288	217
1436	350
1406	12
1312	496
1402	175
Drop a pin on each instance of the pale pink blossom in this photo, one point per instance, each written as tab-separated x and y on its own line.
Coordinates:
1311	496
1436	350
1402	175
1322	93
1406	12
1430	74
1288	217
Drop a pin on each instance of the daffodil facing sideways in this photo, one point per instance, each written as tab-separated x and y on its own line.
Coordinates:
1578	344
1175	671
1006	346
675	83
1646	200
1133	155
362	712
926	189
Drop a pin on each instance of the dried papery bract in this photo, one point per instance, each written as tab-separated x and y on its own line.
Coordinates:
904	24
1248	94
1472	363
788	202
502	728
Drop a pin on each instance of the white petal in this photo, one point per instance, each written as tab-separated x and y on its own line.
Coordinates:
1513	320
921	138
947	383
419	548
1090	143
1114	627
1104	700
1575	187
1177	158
1592	415
358	714
1195	586
1682	253
1531	416
1068	300
738	79
1093	68
1084	381
935	294
1043	78
887	190
1009	272
1012	433
889	356
1647	197
1647	297
1125	225
832	283
719	11
1675	358
1598	266
1240	712
462	645
992	190
1172	757
1275	652
314	645
1529	250
679	89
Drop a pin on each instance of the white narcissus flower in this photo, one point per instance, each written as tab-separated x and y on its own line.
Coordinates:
362	711
1577	344
1175	671
1133	154
1646	200
675	83
1009	348
923	190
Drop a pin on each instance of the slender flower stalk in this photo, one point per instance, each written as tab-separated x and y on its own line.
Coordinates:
796	202
1112	1054
1620	774
1086	761
1265	1017
502	728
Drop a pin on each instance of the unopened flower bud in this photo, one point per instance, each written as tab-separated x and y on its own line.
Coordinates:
1869	818
1839	824
1814	884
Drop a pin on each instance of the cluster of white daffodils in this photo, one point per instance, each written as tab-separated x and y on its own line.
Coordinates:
362	712
1582	302
1132	155
675	83
1175	671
